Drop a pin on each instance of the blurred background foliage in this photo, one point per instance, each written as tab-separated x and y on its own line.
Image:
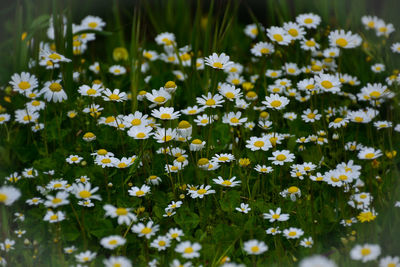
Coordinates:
190	20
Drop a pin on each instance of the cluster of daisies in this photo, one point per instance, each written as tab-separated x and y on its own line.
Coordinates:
256	113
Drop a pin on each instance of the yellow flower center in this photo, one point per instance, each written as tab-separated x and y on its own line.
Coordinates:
258	143
201	191
276	216
230	95
218	65
3	197
162	243
122	165
55	87
24	85
311	115
281	157
141	135
188	250
85	194
181	159
255	249
293	32
27	118
223	158
159	99
121	211
235	120
337	120
276	103
278	37
91	91
105	161
293	189
112	242
292	233
375	94
165	116
196	142
174	235
55	56
365	251
140	193
359	119
226	182
146	230
210	102
310	43
53	217
308	21
56	200
92	24
102	152
341	42
369	155
167	138
114	97
254	31
264	51
327	84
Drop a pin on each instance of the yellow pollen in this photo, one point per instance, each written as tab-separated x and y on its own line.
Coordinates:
121	211
141	135
365	251
230	95
165	116
226	182
375	94
341	42
293	189
327	84
91	91
276	103
139	193
24	85
258	143
210	102
146	230
264	51
188	250
27	118
114	97
85	194
281	157
3	197
255	249
278	37
337	120
359	119
218	65
112	242
92	24
292	233
311	115
122	165
369	155
159	99
201	191
276	216
55	56
197	142
223	158
55	87
310	43
234	120
308	20
105	161
293	32
53	217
